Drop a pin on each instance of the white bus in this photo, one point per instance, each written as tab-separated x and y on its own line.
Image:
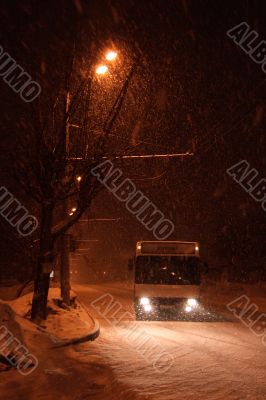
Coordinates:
166	276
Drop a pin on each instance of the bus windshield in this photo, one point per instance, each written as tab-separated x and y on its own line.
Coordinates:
167	270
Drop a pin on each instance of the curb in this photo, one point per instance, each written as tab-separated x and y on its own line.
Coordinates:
87	338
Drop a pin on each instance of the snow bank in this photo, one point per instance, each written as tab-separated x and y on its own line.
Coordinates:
221	294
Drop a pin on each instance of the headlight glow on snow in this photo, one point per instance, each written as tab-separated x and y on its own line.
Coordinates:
144	301
192	302
147	307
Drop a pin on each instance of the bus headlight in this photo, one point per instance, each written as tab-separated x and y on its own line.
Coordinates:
147	307
192	303
144	301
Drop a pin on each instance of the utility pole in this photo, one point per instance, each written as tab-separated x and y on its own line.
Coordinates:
65	239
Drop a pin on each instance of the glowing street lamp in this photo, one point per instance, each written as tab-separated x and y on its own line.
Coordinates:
101	69
74	209
111	55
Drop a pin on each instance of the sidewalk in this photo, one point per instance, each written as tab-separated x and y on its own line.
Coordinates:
62	327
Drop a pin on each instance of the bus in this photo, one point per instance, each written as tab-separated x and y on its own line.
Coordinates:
166	276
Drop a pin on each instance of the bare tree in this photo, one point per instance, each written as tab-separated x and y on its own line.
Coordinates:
48	174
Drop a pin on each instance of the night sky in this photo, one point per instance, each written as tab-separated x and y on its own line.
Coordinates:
193	90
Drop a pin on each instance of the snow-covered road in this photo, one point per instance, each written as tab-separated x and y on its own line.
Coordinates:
180	360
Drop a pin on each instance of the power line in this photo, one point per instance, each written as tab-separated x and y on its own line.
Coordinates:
168	155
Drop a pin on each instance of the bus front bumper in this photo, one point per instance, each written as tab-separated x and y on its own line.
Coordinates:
150	306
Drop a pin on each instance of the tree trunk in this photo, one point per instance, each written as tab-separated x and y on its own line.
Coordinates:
45	260
64	270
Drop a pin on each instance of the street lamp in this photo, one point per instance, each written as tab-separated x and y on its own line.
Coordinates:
111	55
101	69
74	209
